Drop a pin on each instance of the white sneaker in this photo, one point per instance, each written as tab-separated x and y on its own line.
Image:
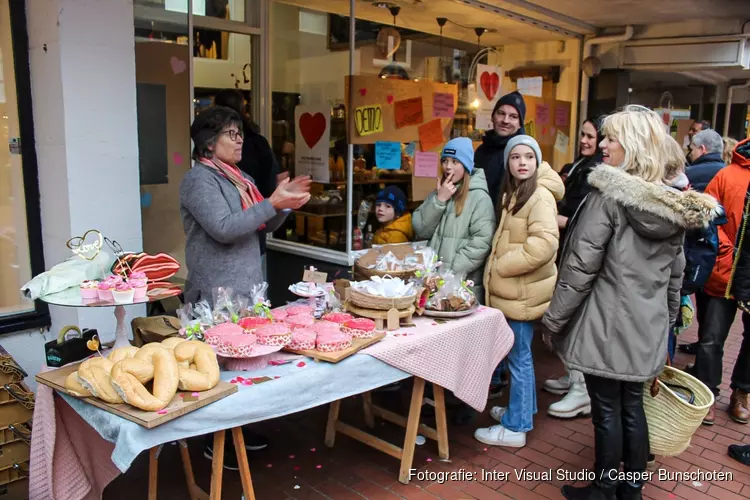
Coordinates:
558	386
497	412
497	435
576	402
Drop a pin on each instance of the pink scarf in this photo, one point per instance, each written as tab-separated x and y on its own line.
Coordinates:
249	194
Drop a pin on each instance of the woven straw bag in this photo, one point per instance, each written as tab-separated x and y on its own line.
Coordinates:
676	404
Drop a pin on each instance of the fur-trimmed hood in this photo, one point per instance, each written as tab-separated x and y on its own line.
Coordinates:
674	210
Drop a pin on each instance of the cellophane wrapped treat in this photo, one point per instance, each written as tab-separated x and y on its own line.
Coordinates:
261	306
192	325
453	293
224	309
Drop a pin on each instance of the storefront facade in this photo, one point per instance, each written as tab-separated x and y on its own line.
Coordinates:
111	88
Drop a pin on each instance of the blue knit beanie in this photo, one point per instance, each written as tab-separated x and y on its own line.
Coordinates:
394	197
526	140
462	150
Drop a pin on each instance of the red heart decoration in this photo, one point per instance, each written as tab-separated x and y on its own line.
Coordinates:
390	99
490	84
362	92
312	128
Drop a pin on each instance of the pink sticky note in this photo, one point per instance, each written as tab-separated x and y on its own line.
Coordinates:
442	105
542	114
426	164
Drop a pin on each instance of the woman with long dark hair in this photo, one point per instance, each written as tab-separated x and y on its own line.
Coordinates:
576	177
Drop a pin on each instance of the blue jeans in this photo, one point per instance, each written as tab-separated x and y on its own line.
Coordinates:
522	404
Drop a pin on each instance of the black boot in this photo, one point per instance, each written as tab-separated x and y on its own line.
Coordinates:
629	491
591	492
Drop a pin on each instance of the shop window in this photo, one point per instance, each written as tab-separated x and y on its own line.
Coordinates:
21	254
309	65
233	10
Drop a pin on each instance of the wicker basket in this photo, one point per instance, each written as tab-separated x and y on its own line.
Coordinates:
362	273
672	421
367	301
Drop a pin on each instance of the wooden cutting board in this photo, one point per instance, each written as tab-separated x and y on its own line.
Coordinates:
336	356
148	419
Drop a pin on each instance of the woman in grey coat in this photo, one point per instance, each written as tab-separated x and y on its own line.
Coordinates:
223	212
618	292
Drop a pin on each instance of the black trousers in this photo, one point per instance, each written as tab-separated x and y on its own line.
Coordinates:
715	319
620	429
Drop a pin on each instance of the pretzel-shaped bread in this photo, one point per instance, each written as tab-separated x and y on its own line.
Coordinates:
122	353
170	343
154	363
74	387
206	373
93	374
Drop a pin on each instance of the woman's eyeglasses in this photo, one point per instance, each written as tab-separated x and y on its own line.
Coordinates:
234	134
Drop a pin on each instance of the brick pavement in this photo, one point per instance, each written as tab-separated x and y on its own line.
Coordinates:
297	465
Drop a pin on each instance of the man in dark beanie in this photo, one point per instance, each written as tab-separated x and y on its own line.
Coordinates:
507	122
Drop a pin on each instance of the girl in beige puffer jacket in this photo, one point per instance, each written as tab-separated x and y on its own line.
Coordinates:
520	277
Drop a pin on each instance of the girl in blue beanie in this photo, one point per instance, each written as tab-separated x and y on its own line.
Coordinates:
458	217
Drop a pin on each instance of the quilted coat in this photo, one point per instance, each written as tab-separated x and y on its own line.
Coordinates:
462	242
396	231
520	275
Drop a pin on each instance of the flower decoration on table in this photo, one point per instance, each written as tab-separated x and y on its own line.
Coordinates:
261	306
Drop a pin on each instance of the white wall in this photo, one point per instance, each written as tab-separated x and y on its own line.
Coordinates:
83	91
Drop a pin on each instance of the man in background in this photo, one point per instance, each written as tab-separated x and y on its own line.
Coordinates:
705	158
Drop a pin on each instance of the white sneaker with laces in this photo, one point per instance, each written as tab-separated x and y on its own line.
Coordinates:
497	435
558	386
497	412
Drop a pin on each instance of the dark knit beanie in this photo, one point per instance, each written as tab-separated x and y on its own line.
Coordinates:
514	99
394	197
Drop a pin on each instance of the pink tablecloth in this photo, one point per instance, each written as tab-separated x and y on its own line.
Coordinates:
69	459
459	355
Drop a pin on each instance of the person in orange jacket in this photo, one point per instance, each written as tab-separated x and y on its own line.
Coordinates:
716	316
396	225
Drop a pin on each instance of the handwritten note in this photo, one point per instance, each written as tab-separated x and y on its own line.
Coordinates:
542	114
408	112
562	115
368	119
431	135
426	165
531	86
442	105
388	155
561	142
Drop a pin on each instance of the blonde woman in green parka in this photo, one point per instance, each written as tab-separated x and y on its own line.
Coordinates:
458	217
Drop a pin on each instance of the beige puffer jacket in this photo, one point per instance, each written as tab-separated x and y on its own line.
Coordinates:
520	275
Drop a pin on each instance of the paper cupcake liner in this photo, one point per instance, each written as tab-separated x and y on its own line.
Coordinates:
334	346
358	334
302	346
276	340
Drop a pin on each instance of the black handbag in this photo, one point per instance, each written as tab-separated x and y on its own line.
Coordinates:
70	346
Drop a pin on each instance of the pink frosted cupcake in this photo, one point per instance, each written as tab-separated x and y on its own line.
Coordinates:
123	293
139	282
322	327
275	334
104	290
300	321
303	339
239	345
294	310
114	279
339	317
252	322
361	328
331	342
214	334
279	315
89	289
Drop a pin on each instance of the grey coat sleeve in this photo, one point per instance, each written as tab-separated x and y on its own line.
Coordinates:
206	203
675	284
426	218
588	241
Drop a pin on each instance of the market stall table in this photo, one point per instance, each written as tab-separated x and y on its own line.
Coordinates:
477	344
